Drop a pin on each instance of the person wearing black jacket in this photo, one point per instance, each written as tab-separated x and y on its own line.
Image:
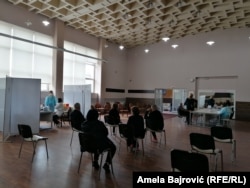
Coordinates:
76	117
97	128
154	120
191	104
135	128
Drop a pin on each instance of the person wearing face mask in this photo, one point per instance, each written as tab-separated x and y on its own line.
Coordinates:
50	101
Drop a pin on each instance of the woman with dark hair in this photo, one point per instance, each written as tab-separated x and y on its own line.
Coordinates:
135	128
114	116
97	128
154	121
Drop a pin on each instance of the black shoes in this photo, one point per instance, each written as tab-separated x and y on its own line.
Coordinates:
95	165
106	168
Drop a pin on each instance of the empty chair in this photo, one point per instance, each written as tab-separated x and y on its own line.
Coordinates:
205	144
88	144
224	135
185	161
27	135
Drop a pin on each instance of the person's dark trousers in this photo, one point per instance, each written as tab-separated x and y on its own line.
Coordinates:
154	135
56	119
111	153
108	144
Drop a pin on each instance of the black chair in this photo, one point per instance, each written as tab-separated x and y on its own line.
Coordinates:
158	131
224	135
88	144
109	124
27	135
142	144
184	161
123	134
205	144
65	117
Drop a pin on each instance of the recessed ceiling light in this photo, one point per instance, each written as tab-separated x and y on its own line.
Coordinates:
175	46
121	47
210	43
165	39
28	23
45	22
146	50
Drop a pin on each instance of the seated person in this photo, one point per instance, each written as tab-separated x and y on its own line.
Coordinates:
184	112
154	120
225	111
114	116
96	127
59	109
211	102
76	117
135	128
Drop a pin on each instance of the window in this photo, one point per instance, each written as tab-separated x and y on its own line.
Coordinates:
28	56
26	59
78	68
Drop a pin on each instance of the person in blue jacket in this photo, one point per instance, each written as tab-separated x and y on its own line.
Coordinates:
50	101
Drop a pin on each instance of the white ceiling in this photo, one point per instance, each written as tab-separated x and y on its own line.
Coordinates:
136	23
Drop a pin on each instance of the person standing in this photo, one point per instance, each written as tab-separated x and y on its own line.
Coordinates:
50	101
191	104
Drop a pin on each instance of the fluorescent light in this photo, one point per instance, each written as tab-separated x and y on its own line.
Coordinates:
146	50
46	23
210	43
175	46
165	39
121	47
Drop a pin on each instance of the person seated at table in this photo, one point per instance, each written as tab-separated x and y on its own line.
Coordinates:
154	120
225	111
97	128
135	128
76	117
59	109
184	112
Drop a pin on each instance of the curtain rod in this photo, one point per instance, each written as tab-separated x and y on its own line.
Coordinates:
53	47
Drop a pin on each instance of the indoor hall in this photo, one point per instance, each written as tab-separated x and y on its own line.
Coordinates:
60	170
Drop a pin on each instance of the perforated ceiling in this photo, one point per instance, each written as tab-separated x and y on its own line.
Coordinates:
135	23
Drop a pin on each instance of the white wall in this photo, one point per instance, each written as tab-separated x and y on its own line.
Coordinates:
165	67
162	67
